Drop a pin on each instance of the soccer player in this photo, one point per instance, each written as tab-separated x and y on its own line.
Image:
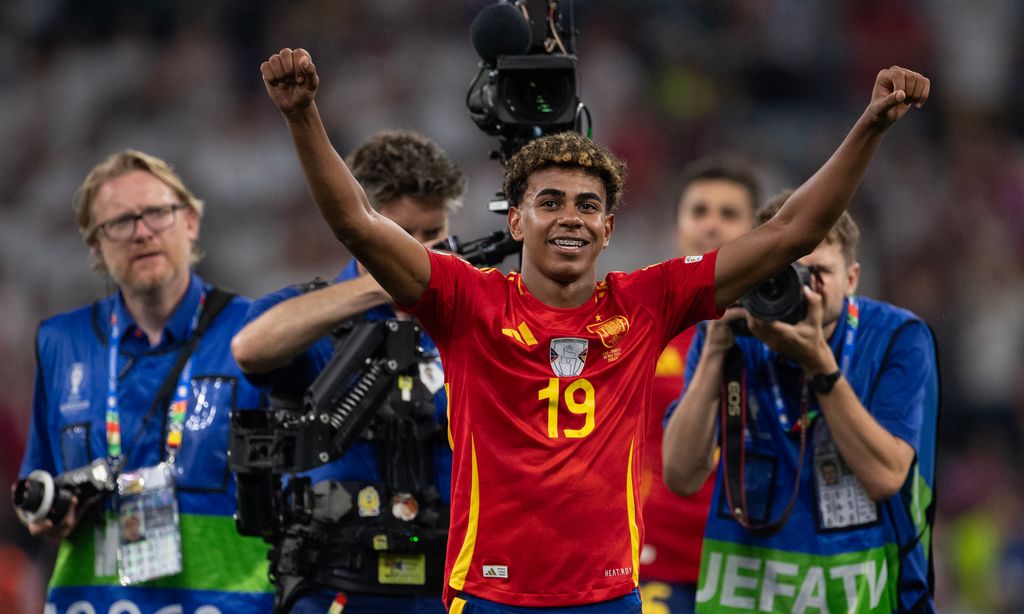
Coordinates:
548	372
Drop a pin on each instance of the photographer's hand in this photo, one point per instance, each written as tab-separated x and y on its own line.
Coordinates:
720	333
879	459
804	342
46	529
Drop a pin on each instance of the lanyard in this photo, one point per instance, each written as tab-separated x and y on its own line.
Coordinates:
179	402
845	356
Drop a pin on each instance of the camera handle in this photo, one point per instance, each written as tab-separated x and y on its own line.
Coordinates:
485	251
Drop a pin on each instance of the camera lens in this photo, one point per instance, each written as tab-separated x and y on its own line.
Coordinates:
781	297
538	97
28	495
39	497
770	290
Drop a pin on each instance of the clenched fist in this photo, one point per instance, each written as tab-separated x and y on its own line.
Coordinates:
896	89
291	79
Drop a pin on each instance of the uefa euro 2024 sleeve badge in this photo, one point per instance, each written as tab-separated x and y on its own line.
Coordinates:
568	355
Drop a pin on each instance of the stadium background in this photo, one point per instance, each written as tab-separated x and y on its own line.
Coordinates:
777	81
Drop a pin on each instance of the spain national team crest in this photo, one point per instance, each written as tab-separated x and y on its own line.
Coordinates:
611	331
568	355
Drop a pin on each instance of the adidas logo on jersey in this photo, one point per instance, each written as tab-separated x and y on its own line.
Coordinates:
522	334
496	571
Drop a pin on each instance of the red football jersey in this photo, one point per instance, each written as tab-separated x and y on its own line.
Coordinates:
674	525
547	420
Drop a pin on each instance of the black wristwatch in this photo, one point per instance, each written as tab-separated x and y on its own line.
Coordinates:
823	383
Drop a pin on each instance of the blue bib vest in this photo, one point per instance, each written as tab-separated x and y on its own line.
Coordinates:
223	572
834	554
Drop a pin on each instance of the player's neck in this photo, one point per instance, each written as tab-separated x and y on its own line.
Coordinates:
561	295
152	309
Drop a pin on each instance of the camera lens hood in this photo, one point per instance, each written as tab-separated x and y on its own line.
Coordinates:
33	496
781	297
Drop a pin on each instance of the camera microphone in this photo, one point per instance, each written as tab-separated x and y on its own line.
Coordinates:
500	29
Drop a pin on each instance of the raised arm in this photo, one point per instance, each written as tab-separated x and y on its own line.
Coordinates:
288	328
804	221
394	258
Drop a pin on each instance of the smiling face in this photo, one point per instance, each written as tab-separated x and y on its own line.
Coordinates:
147	262
563	223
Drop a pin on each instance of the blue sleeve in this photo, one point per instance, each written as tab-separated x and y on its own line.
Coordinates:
692	358
297	375
906	387
39	450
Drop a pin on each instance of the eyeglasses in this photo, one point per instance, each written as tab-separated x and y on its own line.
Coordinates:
122	227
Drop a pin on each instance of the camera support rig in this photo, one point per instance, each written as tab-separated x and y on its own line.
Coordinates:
526	86
291	437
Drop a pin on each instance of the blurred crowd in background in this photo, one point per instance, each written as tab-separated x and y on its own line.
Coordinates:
776	82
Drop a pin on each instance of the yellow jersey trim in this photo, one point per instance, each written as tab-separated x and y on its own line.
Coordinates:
634	531
511	332
458	577
527	334
448	414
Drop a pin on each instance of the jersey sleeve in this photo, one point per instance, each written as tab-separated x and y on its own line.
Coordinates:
682	290
38	449
906	388
446	299
300	372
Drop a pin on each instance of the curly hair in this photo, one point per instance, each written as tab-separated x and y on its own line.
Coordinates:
565	150
397	163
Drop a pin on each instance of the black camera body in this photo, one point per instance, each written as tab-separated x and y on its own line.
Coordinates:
41	496
487	251
527	85
780	298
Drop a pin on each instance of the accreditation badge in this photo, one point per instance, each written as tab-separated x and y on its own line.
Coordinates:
410	569
149	535
842	501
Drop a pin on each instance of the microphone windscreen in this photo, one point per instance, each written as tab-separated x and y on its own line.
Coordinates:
500	29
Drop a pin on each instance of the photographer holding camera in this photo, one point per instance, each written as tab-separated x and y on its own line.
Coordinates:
549	371
826	432
287	343
127	456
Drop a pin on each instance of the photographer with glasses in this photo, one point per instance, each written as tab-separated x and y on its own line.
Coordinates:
824	435
126	463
